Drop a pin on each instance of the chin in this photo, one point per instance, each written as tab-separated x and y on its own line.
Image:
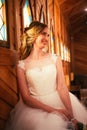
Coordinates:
45	49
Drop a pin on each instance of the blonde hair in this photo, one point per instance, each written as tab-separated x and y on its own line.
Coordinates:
28	38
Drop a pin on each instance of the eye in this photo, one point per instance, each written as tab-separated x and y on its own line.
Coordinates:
48	35
45	34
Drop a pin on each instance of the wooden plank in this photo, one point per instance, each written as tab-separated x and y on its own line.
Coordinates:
80	68
80	47
83	92
8	57
61	1
4	110
12	69
8	78
7	94
2	124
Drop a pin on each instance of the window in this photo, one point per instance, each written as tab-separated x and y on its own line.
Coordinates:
27	14
3	24
42	18
52	40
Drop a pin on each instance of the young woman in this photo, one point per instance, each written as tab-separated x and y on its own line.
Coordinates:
45	103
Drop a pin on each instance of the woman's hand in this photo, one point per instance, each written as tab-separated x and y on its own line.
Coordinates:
63	113
66	116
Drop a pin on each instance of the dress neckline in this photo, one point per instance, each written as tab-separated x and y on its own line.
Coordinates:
40	59
40	69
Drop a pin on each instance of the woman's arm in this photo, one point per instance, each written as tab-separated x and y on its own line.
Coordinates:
62	88
64	93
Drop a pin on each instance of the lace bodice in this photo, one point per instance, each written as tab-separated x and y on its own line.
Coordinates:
41	80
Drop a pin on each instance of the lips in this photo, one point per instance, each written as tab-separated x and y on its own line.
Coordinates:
45	42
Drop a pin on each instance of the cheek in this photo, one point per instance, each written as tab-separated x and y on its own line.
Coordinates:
41	45
38	40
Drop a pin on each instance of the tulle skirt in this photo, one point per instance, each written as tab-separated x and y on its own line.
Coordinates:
23	117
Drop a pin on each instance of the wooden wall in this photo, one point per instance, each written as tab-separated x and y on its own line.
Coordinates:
8	84
79	55
74	11
61	35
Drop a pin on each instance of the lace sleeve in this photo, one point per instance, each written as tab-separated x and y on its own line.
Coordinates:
54	57
21	64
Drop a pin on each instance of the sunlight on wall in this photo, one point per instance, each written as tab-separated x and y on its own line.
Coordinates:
27	15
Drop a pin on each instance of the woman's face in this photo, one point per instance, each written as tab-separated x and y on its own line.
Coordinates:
42	39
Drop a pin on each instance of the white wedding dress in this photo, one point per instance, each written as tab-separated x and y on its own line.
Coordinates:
42	86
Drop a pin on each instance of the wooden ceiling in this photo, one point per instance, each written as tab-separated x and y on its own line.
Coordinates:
74	11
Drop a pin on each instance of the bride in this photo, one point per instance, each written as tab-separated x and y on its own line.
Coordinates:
45	103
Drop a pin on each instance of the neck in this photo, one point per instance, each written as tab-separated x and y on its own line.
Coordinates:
37	53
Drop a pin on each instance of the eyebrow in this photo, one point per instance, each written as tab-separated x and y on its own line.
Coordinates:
45	33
